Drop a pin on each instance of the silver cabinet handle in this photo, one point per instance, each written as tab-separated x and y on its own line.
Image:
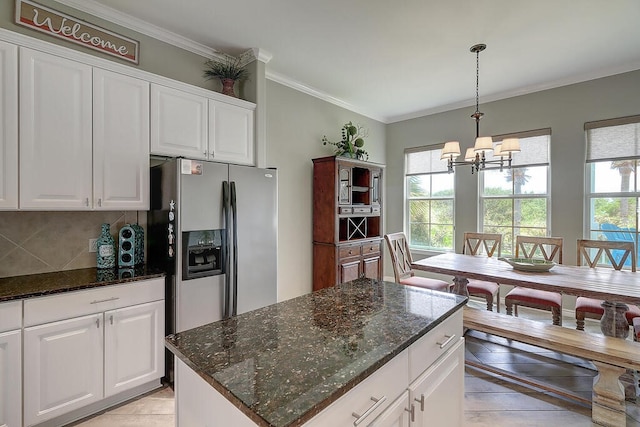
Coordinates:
99	202
98	323
446	343
412	412
111	320
205	153
104	300
421	402
86	201
376	405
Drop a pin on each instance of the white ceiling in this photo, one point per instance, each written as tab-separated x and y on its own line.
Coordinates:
397	59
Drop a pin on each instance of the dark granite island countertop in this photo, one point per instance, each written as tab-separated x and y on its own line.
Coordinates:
284	363
34	285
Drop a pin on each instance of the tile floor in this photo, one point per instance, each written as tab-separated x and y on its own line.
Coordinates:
490	400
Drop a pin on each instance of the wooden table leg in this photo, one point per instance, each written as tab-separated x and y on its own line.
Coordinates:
614	324
608	396
460	286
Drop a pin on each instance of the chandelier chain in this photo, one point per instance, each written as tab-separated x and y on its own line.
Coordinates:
477	80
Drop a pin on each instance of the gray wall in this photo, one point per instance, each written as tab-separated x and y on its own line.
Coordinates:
295	125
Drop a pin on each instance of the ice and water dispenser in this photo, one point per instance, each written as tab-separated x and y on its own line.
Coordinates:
203	253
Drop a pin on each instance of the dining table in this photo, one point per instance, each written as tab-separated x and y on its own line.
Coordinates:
617	287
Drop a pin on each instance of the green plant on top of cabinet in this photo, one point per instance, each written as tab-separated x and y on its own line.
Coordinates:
84	136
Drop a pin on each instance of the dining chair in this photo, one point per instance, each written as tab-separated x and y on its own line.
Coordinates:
550	249
401	260
616	253
489	244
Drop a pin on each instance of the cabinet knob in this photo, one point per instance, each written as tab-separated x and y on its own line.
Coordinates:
420	401
412	412
377	402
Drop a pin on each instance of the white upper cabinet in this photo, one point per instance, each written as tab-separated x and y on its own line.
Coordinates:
8	126
55	132
120	141
178	123
185	124
230	133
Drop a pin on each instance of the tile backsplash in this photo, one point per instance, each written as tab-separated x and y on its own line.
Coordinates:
41	242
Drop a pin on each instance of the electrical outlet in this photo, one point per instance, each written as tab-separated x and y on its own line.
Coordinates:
93	245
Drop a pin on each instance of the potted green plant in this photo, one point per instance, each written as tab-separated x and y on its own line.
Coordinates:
351	143
228	70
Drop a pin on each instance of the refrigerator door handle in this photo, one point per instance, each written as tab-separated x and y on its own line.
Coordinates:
226	310
234	214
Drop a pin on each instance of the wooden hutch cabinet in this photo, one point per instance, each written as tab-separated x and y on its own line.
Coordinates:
347	220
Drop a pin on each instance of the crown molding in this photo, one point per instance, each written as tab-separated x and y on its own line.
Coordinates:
293	84
143	27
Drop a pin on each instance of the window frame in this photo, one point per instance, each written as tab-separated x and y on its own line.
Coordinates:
589	190
407	200
546	196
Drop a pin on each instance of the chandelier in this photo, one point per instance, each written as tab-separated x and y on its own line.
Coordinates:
475	156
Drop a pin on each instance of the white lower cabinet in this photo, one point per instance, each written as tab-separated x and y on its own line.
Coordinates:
11	364
396	415
134	346
109	340
438	394
62	367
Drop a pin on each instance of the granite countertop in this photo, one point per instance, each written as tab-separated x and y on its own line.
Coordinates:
284	363
34	285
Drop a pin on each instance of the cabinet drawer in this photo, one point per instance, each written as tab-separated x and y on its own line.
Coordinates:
349	251
430	347
386	384
375	209
362	210
346	210
370	248
79	303
10	315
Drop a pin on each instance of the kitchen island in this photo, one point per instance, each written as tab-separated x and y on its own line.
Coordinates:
365	350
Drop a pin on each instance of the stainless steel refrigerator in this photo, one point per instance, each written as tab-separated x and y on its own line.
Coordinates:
213	229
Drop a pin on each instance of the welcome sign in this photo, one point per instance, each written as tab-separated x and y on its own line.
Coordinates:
66	27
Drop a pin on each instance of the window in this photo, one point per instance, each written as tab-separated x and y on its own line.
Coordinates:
429	191
612	188
516	201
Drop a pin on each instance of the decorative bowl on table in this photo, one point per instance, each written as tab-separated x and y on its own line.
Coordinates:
529	264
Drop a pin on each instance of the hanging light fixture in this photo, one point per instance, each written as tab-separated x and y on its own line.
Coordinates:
475	156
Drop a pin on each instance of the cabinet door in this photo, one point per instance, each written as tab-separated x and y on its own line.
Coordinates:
396	415
62	367
230	133
349	270
10	379
134	346
438	394
55	132
8	126
120	142
344	184
371	267
178	123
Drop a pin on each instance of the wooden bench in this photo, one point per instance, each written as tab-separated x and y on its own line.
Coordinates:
611	356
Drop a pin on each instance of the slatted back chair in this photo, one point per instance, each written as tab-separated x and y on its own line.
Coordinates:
489	244
482	243
596	253
550	249
401	260
617	259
